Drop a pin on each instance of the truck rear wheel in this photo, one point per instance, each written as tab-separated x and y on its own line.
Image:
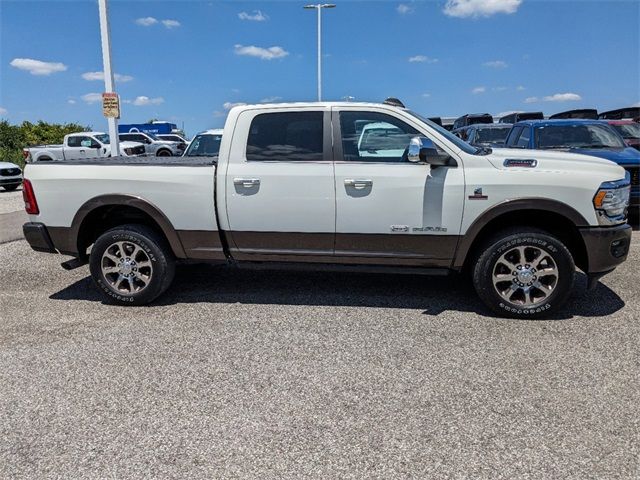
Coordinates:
164	153
131	265
524	274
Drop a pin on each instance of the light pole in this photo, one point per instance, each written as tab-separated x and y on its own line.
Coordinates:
105	37
319	7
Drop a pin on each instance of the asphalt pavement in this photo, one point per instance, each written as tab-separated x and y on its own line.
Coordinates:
259	374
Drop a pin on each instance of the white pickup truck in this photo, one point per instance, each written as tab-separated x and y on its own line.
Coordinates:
291	186
81	145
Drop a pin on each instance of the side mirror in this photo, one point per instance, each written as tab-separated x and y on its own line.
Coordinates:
422	149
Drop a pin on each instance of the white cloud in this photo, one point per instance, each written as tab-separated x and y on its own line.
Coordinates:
91	76
147	21
422	59
499	89
495	64
171	23
71	101
91	98
563	97
260	52
37	67
143	101
520	88
480	8
230	105
426	95
556	97
403	9
3	111
270	99
257	16
636	104
478	90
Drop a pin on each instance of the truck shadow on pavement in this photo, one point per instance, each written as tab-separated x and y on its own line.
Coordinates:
432	295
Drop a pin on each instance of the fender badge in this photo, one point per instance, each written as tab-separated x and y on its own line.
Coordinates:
399	228
477	195
521	162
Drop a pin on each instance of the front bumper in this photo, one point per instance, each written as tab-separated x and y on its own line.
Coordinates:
607	247
10	180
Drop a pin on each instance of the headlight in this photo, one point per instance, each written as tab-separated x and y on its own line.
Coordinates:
612	200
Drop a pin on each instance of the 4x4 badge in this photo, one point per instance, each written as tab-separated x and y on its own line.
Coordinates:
477	195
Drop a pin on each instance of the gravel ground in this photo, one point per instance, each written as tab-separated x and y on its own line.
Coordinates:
257	374
11	201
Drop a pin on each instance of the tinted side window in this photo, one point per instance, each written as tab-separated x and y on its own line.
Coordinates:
74	141
513	136
523	140
374	137
286	137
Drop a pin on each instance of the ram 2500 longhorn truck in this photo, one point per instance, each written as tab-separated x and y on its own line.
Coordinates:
292	186
78	146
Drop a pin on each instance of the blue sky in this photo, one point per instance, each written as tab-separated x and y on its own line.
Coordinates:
188	61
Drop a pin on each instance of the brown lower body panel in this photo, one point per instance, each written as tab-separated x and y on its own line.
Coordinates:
344	248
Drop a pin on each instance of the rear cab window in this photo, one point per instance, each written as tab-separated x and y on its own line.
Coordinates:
286	137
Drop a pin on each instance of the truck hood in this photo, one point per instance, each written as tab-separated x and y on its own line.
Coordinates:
622	156
8	165
554	160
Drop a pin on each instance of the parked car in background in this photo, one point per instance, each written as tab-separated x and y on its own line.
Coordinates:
81	145
520	116
484	135
10	176
290	186
588	113
174	137
471	119
152	144
629	130
586	137
629	113
205	144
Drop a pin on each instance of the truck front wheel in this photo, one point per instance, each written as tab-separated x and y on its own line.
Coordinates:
524	274
131	265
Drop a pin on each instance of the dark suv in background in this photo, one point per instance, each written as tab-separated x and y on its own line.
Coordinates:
483	135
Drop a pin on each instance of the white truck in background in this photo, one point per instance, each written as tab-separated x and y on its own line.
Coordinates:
79	146
295	184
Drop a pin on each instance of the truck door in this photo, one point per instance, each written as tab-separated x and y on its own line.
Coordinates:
79	147
280	186
389	210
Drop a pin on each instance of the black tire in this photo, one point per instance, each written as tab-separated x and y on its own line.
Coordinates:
529	289
163	153
11	188
142	245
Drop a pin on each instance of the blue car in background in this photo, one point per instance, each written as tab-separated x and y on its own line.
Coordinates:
587	137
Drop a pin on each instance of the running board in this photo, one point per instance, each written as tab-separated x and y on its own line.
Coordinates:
73	264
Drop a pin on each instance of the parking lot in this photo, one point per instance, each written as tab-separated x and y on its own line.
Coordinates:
260	374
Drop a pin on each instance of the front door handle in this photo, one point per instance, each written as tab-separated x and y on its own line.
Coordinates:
358	183
246	182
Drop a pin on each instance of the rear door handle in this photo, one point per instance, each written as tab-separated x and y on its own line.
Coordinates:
358	183
246	182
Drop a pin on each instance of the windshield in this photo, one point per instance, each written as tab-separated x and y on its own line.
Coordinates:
458	142
629	130
103	138
205	145
492	135
577	136
152	136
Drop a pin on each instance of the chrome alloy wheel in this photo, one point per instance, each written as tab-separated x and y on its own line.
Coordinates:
525	276
126	267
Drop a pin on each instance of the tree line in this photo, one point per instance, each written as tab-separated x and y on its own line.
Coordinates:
13	138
